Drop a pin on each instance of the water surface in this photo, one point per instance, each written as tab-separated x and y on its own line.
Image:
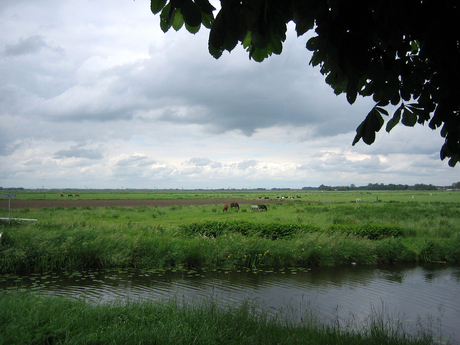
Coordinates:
426	295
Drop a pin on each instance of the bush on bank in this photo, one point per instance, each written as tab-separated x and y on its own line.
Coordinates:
276	230
54	246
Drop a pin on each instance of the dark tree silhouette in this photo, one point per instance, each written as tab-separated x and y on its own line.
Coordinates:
400	52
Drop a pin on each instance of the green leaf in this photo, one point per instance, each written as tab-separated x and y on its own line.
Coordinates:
230	42
205	6
313	43
375	120
369	137
359	133
440	113
395	119
276	45
445	152
421	113
247	40
215	52
352	91
157	5
217	35
178	20
382	111
409	118
367	129
207	20
259	40
192	29
258	54
316	58
191	13
165	18
303	25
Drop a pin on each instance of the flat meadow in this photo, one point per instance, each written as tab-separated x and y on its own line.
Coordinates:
188	229
175	230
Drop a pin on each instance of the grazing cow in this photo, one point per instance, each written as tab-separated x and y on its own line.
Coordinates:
62	194
254	207
77	195
358	200
234	204
70	195
262	207
225	209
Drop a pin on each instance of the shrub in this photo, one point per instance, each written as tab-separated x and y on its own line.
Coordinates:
392	250
370	231
274	230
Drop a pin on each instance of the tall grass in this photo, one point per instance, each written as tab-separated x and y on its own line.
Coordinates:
56	247
34	319
289	234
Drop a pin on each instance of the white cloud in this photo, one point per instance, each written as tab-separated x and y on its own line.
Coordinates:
94	94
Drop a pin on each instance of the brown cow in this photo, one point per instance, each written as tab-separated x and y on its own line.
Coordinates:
225	209
234	204
262	207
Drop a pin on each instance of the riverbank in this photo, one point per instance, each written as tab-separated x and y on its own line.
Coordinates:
84	245
182	237
33	319
198	236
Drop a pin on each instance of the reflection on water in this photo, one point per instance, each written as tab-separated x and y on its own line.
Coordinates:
413	294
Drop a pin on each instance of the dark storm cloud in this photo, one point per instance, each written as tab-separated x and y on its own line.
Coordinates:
139	161
247	97
78	153
33	162
26	46
201	162
247	164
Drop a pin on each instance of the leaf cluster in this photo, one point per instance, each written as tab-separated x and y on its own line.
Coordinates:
271	230
370	231
394	51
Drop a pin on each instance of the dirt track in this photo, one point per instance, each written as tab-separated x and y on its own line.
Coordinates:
18	204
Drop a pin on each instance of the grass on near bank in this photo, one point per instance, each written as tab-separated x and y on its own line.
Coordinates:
289	234
34	319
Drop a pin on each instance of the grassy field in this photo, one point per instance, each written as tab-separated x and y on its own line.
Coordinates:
300	195
313	229
316	228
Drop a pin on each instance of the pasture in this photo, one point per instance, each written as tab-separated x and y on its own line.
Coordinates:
316	228
228	195
183	230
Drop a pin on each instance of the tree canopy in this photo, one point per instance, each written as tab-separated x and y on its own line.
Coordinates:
404	53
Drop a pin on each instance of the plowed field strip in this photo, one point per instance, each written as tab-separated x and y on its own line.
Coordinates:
19	204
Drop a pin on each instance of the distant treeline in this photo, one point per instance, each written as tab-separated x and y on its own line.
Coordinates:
379	186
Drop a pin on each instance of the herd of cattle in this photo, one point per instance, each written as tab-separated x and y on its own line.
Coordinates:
253	207
279	197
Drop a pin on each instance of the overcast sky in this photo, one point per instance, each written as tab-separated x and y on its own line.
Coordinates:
94	95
